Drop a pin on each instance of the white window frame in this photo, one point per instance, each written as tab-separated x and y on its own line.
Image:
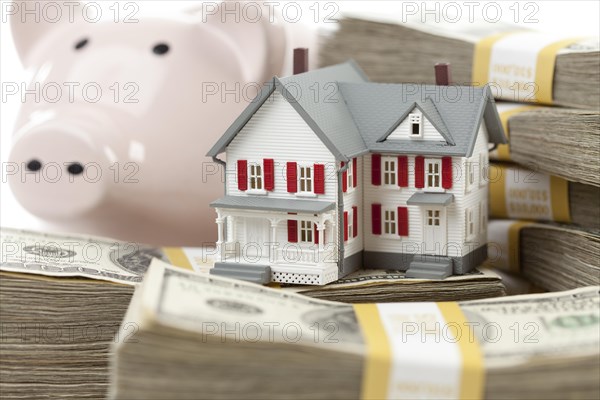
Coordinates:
350	175
310	180
432	215
350	224
483	215
483	168
434	162
469	175
391	173
256	177
306	228
415	118
389	221
471	222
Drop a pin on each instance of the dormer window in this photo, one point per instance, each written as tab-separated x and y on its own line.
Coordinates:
415	125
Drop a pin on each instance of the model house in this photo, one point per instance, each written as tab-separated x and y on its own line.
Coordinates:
327	173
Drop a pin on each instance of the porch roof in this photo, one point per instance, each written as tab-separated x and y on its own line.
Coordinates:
271	204
438	199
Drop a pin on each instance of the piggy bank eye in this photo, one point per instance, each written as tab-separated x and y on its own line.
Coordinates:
160	49
81	44
34	165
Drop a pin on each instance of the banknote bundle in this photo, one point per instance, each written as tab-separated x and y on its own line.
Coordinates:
527	194
201	336
371	285
392	50
552	256
62	298
560	142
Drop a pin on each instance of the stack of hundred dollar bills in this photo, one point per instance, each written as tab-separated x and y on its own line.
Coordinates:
208	337
63	297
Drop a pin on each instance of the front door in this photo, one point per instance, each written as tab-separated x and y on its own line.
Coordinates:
257	237
434	231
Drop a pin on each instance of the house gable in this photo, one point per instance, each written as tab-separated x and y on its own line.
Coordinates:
404	130
276	131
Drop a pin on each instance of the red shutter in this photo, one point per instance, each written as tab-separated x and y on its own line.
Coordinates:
447	172
376	219
319	178
355	221
292	231
269	168
316	234
242	174
354	172
403	171
376	169
403	221
345	226
292	177
419	172
344	179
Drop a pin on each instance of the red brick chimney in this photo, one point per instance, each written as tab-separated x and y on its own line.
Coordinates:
300	60
442	74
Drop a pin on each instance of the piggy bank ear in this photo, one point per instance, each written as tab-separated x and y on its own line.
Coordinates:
258	41
30	23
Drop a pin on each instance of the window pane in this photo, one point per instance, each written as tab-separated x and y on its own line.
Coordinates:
415	129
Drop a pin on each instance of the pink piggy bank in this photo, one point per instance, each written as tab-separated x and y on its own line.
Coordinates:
117	119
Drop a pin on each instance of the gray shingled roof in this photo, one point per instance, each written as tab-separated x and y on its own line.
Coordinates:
273	204
353	116
375	108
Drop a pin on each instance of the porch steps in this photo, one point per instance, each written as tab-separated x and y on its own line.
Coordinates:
439	268
254	273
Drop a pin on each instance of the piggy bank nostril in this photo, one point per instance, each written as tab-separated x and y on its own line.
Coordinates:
160	49
34	165
75	168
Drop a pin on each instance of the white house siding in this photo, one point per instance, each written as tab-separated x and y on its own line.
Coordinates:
429	132
476	194
277	131
397	197
353	197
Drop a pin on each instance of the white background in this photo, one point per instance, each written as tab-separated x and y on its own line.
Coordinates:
571	18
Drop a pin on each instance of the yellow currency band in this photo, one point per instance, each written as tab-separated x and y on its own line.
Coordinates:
544	71
497	187
503	150
482	56
559	196
376	375
177	257
473	373
378	363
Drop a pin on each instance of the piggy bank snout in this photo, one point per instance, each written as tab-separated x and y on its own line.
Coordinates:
57	173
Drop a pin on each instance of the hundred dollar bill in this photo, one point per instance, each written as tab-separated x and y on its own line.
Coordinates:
192	325
64	255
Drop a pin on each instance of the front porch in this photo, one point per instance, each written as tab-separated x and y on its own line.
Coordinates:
295	240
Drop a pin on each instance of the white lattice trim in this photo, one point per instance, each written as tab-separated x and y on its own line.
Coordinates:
304	276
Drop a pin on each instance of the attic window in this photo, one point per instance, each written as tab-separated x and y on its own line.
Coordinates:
415	125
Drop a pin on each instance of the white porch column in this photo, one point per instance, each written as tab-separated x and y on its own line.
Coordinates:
220	233
274	224
321	247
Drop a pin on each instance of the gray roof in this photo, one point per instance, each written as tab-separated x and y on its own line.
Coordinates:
273	204
353	116
440	199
